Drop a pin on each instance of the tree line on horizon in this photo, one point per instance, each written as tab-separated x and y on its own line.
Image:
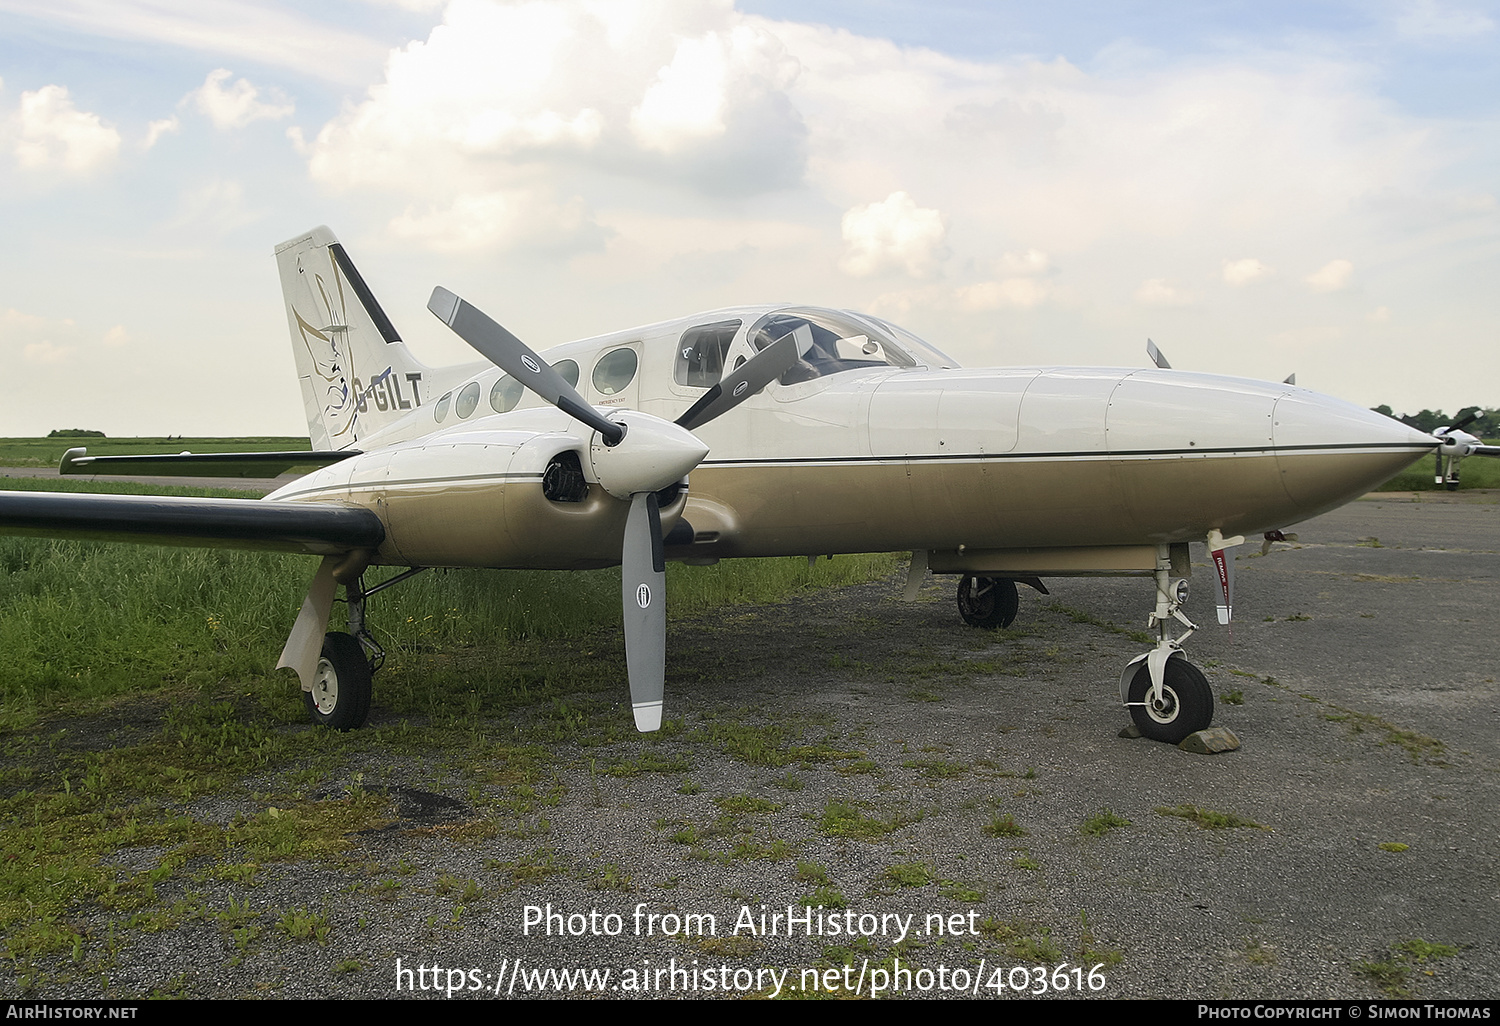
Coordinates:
1430	420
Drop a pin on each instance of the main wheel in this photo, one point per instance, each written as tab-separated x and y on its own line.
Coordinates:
340	697
987	602
1187	703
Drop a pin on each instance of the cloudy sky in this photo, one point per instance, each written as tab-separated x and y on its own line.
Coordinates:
1263	188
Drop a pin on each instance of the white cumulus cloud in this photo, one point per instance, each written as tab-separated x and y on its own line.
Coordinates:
37	340
237	105
156	129
52	134
693	97
894	233
571	98
1243	272
1331	277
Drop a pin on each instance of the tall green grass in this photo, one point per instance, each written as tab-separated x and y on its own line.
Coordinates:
1474	472
81	622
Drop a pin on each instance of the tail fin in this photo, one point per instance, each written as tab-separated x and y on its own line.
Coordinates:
357	375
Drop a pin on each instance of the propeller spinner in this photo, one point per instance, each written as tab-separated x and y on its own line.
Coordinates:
633	455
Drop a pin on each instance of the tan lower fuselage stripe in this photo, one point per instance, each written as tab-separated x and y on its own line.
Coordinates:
881	504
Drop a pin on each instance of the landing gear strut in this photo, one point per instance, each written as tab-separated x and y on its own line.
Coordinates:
343	681
1168	697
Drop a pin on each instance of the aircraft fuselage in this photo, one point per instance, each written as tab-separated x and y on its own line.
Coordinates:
876	459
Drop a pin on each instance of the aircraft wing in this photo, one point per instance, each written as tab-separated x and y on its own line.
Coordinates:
306	527
200	464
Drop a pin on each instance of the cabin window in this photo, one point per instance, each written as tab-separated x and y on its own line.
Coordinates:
569	371
700	354
441	411
614	371
505	394
468	398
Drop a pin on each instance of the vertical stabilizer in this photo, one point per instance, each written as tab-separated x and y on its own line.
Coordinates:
357	376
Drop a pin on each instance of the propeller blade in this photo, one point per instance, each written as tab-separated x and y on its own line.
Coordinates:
748	378
1156	356
643	596
1465	421
514	357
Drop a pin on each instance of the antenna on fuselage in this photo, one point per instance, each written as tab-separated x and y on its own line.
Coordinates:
1156	357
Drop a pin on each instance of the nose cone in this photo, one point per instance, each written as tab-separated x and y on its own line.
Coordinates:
1330	451
653	454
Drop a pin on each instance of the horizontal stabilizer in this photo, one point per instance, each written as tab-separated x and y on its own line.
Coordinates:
316	528
200	464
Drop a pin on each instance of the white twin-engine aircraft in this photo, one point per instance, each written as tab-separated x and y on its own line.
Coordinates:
805	431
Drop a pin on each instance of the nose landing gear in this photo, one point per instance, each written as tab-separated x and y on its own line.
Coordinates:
1168	697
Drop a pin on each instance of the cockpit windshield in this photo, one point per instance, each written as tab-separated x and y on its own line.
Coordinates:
842	341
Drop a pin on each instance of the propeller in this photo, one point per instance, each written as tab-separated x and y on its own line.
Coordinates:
515	357
633	455
1454	444
748	378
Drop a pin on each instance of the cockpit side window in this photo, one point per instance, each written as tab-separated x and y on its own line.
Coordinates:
700	354
840	343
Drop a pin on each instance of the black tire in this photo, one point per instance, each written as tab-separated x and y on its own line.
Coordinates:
1188	702
987	602
340	698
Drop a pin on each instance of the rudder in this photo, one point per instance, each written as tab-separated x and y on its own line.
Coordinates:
357	376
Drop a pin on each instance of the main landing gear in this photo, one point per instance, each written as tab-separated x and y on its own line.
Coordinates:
1168	697
343	681
991	603
987	602
340	695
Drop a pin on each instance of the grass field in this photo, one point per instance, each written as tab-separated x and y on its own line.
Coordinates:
1474	472
83	622
133	678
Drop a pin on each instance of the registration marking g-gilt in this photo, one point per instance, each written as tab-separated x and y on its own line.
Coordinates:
643	596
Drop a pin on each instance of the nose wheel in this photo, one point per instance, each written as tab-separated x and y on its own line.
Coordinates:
1184	706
